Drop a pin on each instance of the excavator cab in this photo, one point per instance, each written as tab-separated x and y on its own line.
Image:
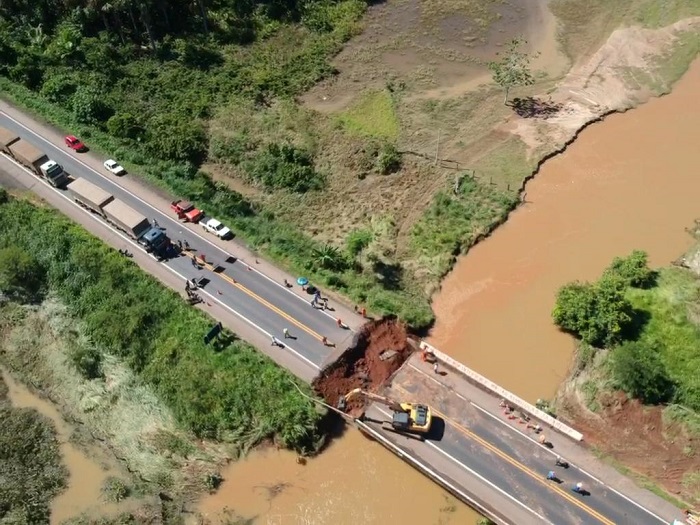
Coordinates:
406	417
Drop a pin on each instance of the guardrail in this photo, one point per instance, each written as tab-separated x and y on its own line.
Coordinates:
458	493
503	393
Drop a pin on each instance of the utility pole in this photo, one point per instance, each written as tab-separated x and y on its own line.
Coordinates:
437	148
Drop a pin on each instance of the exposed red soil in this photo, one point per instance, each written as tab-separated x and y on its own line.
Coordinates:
636	436
360	365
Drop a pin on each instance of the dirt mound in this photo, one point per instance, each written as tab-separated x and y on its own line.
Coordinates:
638	437
378	351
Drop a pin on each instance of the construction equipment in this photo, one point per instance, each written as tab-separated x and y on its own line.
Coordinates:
407	417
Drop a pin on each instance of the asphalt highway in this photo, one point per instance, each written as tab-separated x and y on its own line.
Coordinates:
507	470
246	291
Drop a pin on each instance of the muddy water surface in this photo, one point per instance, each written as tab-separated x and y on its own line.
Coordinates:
629	182
86	476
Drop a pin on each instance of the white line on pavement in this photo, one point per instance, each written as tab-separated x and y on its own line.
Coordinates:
145	203
474	473
133	243
572	464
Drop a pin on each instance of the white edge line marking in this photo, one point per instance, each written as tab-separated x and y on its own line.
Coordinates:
133	243
474	473
535	442
403	454
178	224
572	464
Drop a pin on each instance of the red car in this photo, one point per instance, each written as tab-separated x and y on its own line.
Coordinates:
74	143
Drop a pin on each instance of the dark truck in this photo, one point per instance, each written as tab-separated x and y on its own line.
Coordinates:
37	161
136	226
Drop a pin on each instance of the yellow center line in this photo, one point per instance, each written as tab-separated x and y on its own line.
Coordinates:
538	477
258	298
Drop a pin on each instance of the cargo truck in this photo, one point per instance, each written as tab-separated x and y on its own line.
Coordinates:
7	138
89	196
136	226
37	161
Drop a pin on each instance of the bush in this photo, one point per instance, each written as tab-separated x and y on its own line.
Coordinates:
115	489
89	106
357	241
176	137
21	277
285	167
597	313
633	269
388	159
87	360
637	369
125	126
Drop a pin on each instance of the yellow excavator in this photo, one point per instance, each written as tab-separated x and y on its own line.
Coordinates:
407	417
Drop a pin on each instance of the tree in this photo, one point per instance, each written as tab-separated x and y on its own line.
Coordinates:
638	370
633	269
21	277
513	68
172	136
597	313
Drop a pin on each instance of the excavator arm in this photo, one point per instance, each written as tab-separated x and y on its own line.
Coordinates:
358	392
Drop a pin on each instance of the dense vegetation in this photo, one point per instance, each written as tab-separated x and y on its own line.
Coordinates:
141	81
31	473
233	394
643	318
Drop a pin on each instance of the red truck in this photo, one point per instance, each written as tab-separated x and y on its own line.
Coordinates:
186	211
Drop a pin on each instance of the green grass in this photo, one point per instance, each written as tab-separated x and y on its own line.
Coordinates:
235	394
373	115
453	222
671	331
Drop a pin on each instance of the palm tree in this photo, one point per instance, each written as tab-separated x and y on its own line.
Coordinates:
329	257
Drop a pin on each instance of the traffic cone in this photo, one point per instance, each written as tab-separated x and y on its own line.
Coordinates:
250	269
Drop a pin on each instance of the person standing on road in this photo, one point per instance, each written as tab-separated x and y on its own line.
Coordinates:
285	331
551	476
435	368
275	342
155	223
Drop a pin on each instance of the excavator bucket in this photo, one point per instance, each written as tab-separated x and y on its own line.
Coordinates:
342	404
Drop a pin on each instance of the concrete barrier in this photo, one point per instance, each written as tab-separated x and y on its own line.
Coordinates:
503	393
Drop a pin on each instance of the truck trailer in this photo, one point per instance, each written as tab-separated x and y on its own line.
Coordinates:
136	226
7	138
89	196
36	160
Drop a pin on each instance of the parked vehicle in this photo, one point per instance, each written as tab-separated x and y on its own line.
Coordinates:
186	211
36	160
214	226
89	196
75	144
136	226
7	138
112	166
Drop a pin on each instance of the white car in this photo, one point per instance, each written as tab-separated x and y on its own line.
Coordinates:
113	167
218	229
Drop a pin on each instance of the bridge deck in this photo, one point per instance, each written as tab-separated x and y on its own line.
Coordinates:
498	464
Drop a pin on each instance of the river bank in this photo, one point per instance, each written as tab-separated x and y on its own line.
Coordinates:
636	401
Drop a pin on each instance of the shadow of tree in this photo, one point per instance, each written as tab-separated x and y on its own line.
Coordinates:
390	275
533	107
633	330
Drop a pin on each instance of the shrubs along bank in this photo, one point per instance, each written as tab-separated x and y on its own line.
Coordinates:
642	318
235	394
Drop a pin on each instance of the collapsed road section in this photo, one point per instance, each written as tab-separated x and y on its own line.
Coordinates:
489	448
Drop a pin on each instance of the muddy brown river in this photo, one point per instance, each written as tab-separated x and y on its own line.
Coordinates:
630	182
